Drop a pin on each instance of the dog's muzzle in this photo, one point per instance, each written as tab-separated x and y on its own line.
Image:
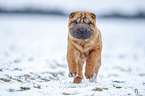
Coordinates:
81	32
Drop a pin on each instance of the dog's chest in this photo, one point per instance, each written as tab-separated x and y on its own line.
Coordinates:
84	51
83	56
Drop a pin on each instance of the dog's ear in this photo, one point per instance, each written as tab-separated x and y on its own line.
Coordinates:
92	15
72	14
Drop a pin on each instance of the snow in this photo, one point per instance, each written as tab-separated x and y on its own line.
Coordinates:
33	57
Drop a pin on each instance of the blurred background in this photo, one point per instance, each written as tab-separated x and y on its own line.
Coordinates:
33	46
111	8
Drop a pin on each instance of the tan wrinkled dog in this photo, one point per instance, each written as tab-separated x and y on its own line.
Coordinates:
84	45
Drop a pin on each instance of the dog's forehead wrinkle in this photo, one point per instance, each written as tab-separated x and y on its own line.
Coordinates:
83	15
78	20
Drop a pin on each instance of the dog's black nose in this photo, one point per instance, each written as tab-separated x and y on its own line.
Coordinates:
82	29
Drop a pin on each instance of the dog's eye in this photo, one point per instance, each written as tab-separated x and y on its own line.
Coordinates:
90	23
75	22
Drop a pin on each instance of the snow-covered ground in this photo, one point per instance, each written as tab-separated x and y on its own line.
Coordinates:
33	58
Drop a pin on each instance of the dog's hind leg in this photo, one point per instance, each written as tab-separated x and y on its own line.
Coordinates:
79	78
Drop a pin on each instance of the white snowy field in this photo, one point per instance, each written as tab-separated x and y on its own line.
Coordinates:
33	58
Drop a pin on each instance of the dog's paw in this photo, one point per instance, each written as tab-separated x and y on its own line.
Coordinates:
93	79
77	79
73	74
89	75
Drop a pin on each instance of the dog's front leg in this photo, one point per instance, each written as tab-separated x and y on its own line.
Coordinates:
91	63
72	63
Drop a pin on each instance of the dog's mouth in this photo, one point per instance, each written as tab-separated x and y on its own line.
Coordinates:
81	32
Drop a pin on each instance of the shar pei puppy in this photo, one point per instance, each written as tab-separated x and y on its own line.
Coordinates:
84	46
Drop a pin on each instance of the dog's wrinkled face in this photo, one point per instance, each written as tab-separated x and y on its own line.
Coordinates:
82	24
